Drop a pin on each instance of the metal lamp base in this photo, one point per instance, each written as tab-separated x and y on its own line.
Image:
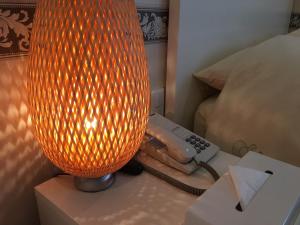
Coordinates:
94	184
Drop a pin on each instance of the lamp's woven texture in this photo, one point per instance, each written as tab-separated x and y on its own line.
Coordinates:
88	84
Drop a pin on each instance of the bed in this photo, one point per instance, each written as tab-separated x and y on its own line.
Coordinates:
202	32
258	107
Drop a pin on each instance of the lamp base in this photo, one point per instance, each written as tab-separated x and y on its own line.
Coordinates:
94	184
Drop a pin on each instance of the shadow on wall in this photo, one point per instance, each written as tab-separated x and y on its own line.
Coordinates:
22	164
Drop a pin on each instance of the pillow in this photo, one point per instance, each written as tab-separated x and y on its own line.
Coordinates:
259	107
217	74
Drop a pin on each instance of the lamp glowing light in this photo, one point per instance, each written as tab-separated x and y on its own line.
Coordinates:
88	86
91	124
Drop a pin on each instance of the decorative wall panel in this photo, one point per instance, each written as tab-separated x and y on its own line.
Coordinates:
154	23
15	28
295	21
16	23
295	17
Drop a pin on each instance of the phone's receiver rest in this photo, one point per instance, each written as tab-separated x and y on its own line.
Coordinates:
175	147
182	145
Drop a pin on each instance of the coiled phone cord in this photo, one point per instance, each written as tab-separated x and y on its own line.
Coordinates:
185	187
209	169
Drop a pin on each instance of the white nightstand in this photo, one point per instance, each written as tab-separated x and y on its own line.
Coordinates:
140	200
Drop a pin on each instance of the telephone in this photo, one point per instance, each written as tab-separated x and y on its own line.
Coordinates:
176	146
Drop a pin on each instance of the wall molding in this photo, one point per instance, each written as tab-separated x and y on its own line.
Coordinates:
16	24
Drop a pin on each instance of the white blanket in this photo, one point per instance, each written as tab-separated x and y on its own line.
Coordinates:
259	107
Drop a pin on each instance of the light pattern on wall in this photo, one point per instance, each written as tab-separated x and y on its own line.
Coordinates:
23	165
16	24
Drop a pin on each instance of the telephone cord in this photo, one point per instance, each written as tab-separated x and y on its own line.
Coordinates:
209	169
185	187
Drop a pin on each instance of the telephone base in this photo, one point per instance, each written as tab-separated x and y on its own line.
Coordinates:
197	181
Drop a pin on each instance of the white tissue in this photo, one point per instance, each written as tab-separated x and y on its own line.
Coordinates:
247	182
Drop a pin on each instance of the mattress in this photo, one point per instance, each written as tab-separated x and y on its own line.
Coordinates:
202	114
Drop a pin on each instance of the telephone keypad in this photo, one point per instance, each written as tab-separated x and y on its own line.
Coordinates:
198	143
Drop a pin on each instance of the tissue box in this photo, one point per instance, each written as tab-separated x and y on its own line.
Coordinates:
276	203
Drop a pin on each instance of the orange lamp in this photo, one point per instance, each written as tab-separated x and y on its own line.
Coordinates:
88	86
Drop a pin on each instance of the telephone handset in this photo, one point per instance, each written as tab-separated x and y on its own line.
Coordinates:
176	146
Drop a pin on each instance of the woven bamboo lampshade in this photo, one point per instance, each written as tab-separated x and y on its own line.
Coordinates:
88	84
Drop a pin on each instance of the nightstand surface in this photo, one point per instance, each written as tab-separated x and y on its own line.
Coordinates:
141	200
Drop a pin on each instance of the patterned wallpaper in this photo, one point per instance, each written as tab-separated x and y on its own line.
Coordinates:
16	24
295	21
15	28
295	17
154	23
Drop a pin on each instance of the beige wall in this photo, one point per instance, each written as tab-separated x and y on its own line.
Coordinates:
22	164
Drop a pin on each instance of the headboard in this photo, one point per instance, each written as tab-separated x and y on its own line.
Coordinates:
201	32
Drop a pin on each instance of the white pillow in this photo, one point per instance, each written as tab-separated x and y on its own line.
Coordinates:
217	74
259	106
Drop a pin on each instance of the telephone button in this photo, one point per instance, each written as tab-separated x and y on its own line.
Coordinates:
193	136
198	150
187	140
202	148
207	145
